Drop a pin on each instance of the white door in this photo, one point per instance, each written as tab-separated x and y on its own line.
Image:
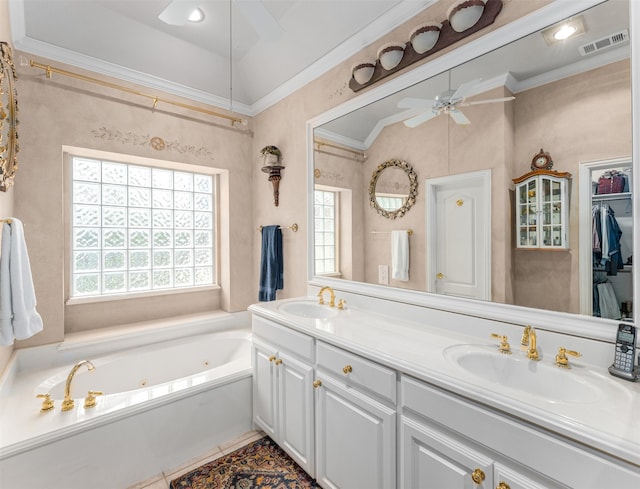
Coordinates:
295	382
459	235
356	440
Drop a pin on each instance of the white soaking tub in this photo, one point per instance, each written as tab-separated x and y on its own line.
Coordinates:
164	403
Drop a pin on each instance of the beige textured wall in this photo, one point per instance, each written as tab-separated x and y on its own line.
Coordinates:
582	118
62	111
6	198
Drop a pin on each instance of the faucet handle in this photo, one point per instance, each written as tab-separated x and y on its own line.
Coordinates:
525	336
561	357
47	403
90	400
504	344
341	304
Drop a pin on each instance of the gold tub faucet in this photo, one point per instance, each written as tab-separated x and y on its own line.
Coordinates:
529	339
332	301
67	404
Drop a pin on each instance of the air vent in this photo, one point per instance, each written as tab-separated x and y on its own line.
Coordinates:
605	42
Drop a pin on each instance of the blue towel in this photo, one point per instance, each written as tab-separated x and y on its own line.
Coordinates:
271	266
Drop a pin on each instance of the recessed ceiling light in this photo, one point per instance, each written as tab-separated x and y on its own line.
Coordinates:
197	15
564	30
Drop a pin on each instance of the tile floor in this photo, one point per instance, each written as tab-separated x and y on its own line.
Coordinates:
162	481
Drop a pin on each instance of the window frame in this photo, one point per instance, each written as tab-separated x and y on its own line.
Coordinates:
69	153
336	231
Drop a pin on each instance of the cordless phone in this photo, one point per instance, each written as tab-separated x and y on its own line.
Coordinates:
625	352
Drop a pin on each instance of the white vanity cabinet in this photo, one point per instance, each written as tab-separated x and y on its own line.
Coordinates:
355	421
283	404
445	440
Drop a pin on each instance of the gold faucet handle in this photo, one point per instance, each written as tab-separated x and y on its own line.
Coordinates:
47	403
561	357
90	400
525	336
504	344
341	304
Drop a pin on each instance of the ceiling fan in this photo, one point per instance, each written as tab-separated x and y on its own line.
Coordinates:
254	11
447	102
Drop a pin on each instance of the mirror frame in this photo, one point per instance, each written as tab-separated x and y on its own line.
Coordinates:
572	324
413	188
9	121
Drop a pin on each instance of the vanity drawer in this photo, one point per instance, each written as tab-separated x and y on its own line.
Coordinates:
363	373
298	344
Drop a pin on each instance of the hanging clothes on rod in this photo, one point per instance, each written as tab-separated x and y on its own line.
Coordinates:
607	253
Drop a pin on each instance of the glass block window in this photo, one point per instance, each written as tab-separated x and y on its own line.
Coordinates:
137	228
325	205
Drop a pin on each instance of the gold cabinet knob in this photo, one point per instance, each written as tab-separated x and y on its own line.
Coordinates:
47	403
477	476
503	485
272	358
347	369
440	276
278	361
90	400
317	383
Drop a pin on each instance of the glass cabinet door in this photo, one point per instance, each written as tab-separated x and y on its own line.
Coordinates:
541	212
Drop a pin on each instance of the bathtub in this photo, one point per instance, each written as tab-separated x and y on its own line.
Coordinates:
164	403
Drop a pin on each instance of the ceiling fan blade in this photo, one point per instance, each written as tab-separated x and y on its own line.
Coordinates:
488	101
465	89
415	103
459	117
419	119
178	11
265	24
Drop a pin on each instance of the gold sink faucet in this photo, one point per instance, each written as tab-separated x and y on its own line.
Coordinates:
529	339
332	301
67	404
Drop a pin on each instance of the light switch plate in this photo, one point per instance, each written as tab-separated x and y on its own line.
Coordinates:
383	274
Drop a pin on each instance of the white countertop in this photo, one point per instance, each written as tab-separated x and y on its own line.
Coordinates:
610	423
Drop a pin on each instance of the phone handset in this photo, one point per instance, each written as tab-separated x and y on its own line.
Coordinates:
625	353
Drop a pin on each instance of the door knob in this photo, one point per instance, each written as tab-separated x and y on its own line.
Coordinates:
440	276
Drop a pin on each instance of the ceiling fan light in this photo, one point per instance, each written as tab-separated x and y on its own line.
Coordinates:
196	15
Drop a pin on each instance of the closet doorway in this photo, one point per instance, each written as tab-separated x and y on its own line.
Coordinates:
606	238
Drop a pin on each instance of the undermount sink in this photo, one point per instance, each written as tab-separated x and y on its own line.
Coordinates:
307	309
544	381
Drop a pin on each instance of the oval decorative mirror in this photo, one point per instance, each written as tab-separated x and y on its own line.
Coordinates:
393	188
8	119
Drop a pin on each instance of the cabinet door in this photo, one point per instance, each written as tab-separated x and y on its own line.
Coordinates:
295	410
264	387
356	439
430	460
508	478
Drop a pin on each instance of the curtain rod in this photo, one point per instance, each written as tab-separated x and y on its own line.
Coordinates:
342	148
49	70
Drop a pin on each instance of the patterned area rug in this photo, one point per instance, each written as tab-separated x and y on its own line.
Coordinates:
259	465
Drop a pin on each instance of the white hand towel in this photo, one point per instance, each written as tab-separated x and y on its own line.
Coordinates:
400	255
25	320
6	329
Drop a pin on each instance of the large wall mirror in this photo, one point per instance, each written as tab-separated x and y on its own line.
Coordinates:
572	98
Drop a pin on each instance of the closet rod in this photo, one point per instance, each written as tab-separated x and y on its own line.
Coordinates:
342	148
50	69
604	197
